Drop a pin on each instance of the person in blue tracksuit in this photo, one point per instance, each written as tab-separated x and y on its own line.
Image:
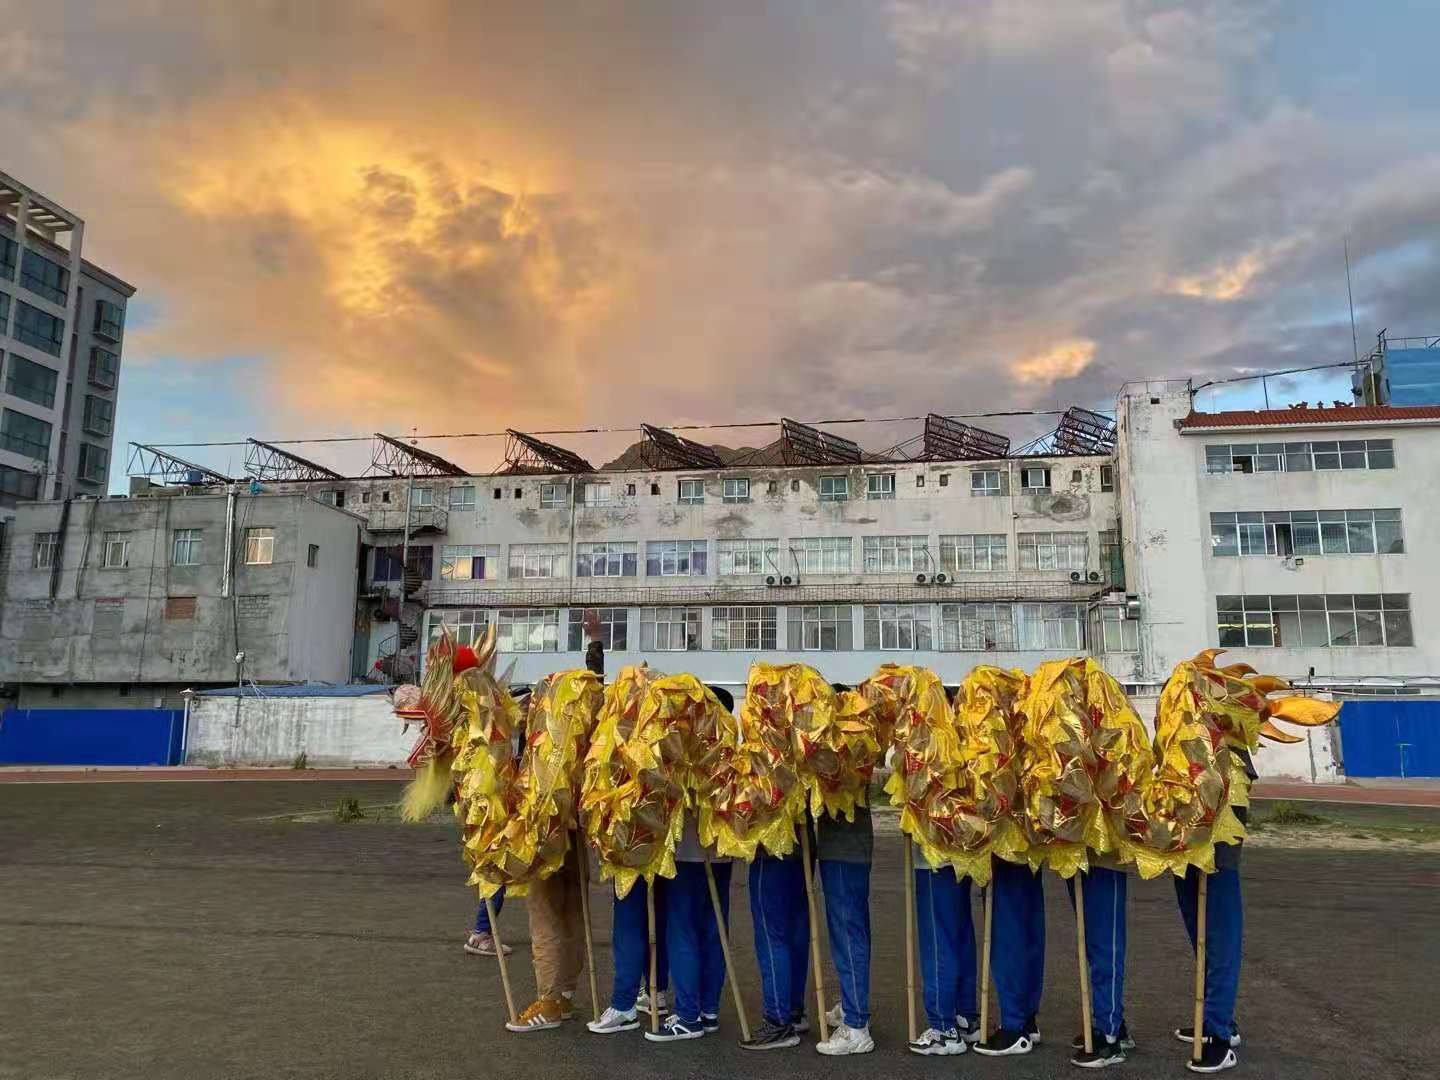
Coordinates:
481	941
696	957
947	961
630	941
780	912
1105	943
1017	955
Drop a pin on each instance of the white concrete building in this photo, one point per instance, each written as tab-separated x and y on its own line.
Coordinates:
62	321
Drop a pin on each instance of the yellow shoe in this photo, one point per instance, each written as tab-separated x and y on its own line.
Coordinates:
544	1014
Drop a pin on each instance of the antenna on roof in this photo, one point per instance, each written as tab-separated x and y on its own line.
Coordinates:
1354	340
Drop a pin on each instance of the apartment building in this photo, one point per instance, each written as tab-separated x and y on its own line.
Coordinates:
62	324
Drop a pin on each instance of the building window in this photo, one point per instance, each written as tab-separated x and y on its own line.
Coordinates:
259	547
1011	627
1300	456
1035	481
4	311
654	489
185	547
738	557
115	550
462	497
895	554
24	434
985	482
99	415
18	484
834	488
529	630
880	485
385	497
597	493
977	552
466	625
1116	632
109	319
8	252
1307	532
669	629
1331	620
614	628
47	545
944	479
38	328
898	627
691	493
1112	558
499	493
469	562
420	496
538	560
45	277
1107	477
388	564
312	557
1053	551
822	554
614	559
675	558
94	463
823	628
33	382
104	367
554	496
749	628
736	489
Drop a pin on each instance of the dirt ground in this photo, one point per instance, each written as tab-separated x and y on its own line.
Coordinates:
197	931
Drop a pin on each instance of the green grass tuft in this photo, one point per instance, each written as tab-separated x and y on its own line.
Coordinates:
348	810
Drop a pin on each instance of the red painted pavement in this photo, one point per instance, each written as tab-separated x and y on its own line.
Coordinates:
1428	795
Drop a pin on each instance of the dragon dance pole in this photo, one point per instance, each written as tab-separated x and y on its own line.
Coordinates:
814	931
725	948
500	955
582	871
654	971
985	958
1084	961
910	938
1197	1046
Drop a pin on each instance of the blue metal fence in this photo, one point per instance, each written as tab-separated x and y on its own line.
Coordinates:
92	736
1391	737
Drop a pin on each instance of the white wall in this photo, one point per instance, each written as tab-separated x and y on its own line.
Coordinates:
272	731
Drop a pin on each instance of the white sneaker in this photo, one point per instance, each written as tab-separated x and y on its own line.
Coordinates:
934	1043
613	1020
836	1016
969	1034
642	1001
847	1040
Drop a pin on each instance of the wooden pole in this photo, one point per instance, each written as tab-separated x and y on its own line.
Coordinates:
814	932
500	955
654	973
1197	1048
582	871
1084	961
985	957
910	939
725	948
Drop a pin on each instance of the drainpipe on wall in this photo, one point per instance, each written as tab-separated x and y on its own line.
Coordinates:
225	573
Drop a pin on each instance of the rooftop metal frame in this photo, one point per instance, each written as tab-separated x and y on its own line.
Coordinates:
266	462
391	457
155	464
1080	433
527	454
949	440
662	449
801	444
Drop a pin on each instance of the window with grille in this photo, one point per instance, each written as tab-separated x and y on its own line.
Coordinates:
259	546
737	557
610	559
974	552
1107	477
1117	633
538	560
898	627
751	628
822	628
1011	627
1053	551
895	554
528	630
1300	456
614	628
675	558
554	496
669	629
185	547
822	554
1329	620
466	625
469	562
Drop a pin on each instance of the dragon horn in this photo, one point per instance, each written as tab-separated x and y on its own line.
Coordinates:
1269	684
1239	670
1305	711
1206	657
1274	734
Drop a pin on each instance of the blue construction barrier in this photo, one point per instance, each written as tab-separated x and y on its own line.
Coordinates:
92	736
1391	737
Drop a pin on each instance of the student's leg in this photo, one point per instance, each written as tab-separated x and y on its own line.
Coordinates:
684	930
662	950
630	940
768	910
482	918
966	993
1018	944
1105	942
712	969
545	907
572	930
936	922
799	932
847	916
1224	940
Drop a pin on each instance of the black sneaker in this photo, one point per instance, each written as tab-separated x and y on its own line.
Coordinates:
1032	1031
1125	1041
1105	1053
772	1036
1215	1056
710	1022
936	1043
1187	1035
1004	1043
673	1029
799	1023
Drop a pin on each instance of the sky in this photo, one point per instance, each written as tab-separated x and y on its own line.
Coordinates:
345	216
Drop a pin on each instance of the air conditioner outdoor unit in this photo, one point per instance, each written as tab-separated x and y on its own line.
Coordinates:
1075	575
1094	575
787	580
770	580
941	579
921	579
